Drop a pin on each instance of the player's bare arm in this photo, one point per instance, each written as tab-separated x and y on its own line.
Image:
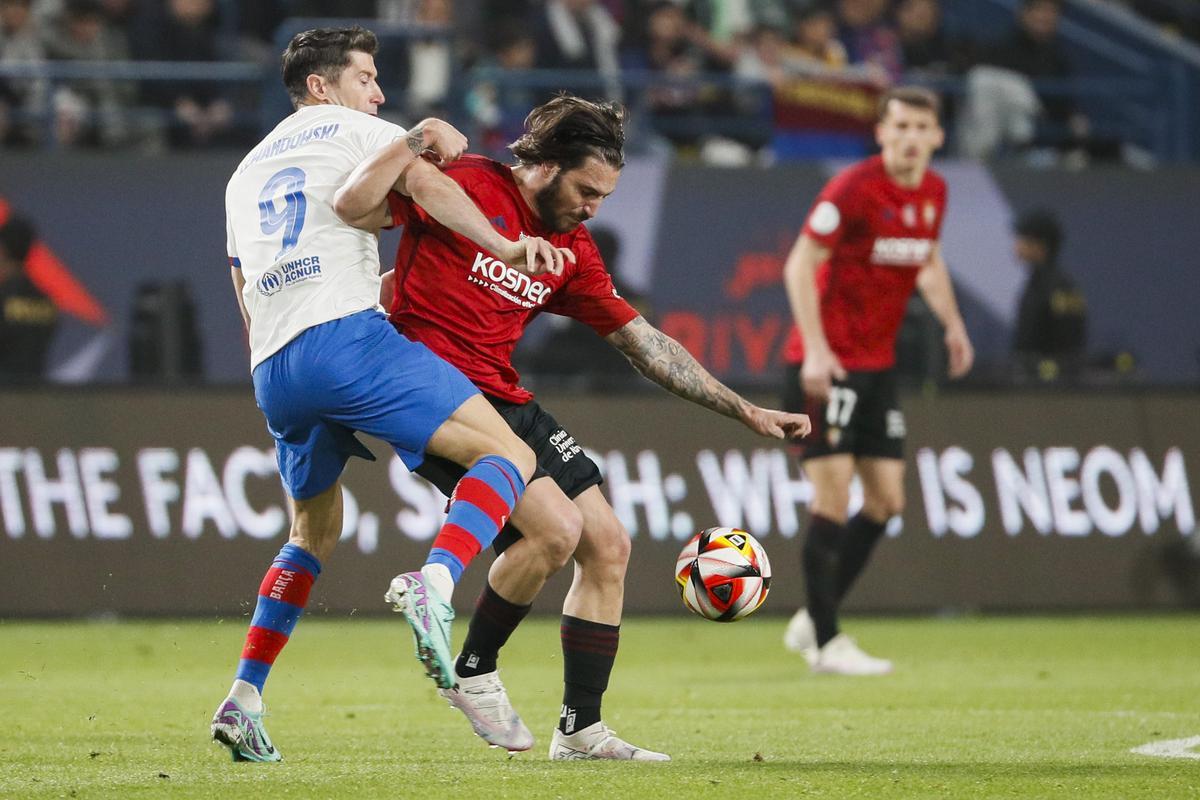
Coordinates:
665	361
936	288
239	281
438	140
361	202
387	288
821	365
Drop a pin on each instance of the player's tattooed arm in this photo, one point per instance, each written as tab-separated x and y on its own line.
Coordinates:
415	139
665	361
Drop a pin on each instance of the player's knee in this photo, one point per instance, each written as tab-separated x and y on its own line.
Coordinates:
883	507
562	535
609	546
832	506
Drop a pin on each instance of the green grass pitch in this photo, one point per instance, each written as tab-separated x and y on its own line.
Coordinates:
992	707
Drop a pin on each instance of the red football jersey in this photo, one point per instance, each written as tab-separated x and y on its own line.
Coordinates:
880	234
470	308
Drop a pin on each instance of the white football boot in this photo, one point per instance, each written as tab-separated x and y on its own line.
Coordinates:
801	637
485	703
598	742
841	656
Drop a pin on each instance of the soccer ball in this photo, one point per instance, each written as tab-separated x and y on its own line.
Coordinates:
723	574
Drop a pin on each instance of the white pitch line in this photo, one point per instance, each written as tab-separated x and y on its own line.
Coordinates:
1172	748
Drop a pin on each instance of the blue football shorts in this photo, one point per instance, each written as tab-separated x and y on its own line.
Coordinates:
352	374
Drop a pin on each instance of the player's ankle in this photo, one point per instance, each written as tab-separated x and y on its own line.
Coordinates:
247	696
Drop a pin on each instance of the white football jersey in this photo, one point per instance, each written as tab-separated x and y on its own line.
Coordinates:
302	265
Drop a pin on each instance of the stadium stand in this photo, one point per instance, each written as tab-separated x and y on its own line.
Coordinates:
730	82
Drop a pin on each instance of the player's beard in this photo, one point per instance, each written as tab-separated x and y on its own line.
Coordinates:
547	201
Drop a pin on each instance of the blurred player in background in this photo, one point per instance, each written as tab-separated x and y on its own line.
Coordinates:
472	309
871	237
327	363
27	317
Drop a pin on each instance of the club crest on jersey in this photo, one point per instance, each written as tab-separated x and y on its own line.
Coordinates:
908	215
512	285
929	212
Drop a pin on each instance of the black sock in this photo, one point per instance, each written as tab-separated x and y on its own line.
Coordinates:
862	534
589	650
820	561
493	622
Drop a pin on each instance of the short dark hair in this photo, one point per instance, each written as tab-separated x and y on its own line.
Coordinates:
17	235
324	52
567	130
915	96
1040	225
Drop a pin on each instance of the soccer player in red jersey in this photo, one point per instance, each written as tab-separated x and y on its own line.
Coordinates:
871	237
471	309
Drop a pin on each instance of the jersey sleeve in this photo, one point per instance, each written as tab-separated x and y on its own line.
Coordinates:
231	244
589	296
377	134
833	211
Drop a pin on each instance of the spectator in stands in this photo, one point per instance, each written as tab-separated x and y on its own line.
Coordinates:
580	35
814	38
498	107
27	317
763	57
88	110
430	61
868	38
21	100
119	16
1034	51
669	51
1052	317
924	43
197	112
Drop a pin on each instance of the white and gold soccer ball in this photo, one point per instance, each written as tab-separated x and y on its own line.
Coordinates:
723	574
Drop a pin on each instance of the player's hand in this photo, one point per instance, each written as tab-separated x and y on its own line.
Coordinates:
962	354
777	424
443	142
536	256
821	368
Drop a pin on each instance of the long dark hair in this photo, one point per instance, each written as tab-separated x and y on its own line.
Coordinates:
568	129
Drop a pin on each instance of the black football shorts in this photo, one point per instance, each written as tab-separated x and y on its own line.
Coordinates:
559	457
862	416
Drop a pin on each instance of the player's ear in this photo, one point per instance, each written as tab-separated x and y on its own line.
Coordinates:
317	86
548	171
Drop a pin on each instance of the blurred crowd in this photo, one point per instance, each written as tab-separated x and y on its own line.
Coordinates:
679	59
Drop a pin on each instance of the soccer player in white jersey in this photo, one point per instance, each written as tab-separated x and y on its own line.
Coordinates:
324	357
